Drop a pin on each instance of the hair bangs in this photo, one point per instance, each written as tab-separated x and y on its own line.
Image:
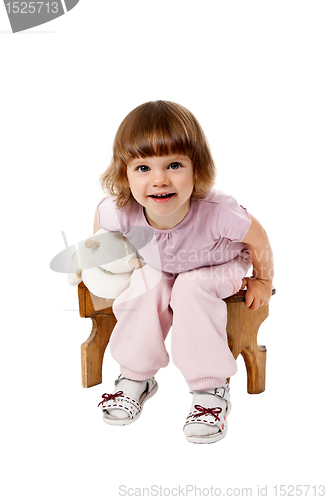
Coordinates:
155	130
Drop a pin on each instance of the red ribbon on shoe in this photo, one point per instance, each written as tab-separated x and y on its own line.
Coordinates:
106	397
205	411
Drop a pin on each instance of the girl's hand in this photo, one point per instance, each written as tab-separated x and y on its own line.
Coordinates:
258	292
260	284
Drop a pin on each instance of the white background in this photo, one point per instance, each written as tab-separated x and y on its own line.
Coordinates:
254	74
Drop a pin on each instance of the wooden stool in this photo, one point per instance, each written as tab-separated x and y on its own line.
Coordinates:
242	331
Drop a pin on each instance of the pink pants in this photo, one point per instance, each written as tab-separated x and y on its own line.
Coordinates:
192	304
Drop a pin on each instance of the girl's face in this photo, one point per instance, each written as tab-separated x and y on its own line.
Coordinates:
163	185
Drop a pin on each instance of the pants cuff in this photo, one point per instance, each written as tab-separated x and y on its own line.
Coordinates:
137	375
202	384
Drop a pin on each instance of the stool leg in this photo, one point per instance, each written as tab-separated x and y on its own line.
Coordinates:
253	354
92	350
242	330
255	362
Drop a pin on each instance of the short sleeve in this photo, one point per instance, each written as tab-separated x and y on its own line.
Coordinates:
233	220
107	215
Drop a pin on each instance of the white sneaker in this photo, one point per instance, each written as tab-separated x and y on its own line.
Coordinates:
122	409
207	420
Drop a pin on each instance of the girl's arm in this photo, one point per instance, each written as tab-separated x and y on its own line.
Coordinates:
259	286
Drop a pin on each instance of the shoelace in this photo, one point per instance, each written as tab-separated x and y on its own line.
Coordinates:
205	411
106	397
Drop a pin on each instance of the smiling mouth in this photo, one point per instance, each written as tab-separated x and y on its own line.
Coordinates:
159	196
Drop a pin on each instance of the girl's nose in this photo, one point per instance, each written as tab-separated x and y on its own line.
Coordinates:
160	179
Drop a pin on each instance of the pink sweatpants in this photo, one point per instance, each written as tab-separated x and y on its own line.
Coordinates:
192	304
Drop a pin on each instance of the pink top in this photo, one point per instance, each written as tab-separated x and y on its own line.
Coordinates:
210	234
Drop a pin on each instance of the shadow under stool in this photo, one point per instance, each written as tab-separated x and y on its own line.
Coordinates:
242	331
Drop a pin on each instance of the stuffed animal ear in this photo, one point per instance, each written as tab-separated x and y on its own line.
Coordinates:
137	263
92	244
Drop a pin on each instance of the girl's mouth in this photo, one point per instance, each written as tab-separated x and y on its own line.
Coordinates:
161	198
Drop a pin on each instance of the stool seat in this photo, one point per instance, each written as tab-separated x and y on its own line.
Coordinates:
242	331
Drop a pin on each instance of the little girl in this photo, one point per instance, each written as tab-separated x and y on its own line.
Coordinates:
202	245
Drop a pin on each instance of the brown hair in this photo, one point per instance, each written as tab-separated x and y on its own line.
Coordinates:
158	128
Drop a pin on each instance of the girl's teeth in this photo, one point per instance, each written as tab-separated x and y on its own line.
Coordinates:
161	195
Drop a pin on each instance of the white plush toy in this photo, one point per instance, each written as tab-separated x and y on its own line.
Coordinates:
105	280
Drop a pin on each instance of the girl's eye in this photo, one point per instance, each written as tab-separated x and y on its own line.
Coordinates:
174	166
142	168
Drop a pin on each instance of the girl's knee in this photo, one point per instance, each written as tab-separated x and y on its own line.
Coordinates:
221	281
189	282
